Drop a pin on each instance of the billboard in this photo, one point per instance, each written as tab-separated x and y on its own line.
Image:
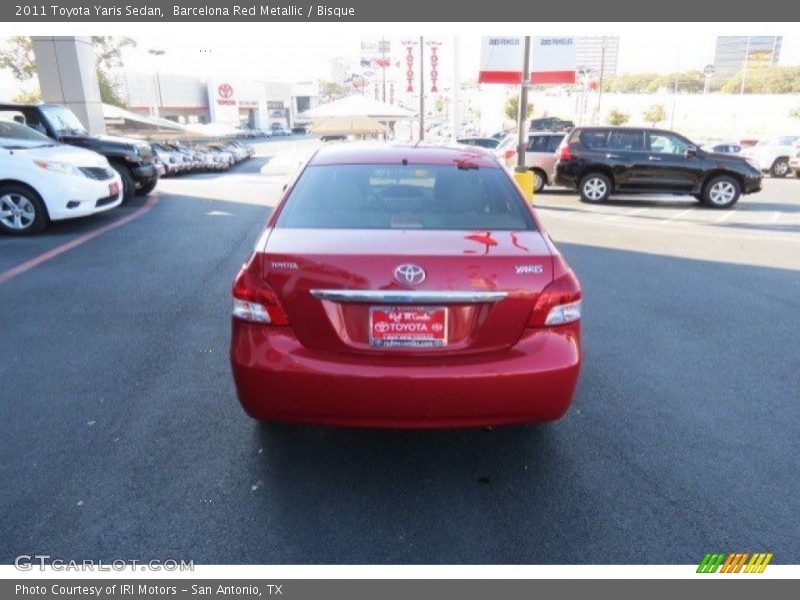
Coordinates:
552	60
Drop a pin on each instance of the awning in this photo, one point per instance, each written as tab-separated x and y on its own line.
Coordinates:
357	106
348	126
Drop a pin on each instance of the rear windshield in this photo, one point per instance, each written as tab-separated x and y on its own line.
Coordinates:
404	197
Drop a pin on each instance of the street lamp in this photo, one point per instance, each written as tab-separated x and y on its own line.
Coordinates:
155	52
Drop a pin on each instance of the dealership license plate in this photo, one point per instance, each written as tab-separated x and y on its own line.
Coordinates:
113	189
408	326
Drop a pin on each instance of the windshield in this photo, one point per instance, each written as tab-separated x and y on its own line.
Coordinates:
63	120
15	135
404	197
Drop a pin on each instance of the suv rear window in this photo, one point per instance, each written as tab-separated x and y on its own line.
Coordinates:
544	143
595	139
404	197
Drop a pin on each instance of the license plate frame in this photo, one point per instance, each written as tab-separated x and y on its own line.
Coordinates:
406	327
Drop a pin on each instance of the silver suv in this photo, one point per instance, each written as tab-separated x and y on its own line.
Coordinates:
540	156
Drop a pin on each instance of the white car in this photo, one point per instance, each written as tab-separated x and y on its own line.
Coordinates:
773	155
45	181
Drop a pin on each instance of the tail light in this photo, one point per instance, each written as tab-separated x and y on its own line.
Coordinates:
509	154
254	300
565	154
558	304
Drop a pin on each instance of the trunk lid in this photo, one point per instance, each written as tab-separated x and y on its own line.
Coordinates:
487	281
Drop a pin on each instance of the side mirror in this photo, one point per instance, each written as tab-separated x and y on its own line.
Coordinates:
691	152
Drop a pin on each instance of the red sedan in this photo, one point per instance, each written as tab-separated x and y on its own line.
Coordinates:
405	286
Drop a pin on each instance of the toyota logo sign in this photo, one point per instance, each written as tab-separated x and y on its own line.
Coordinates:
225	90
409	274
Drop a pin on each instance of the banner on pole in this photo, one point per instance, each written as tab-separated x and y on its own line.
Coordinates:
552	60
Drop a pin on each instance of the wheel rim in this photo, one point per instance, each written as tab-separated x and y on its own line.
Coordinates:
595	188
17	212
538	183
722	192
781	168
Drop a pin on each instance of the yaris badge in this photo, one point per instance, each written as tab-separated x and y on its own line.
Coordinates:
409	274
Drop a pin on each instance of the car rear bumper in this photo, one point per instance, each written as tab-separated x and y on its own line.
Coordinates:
279	379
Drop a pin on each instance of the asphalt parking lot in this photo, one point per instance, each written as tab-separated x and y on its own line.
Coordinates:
122	438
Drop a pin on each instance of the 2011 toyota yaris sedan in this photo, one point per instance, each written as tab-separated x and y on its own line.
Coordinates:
405	286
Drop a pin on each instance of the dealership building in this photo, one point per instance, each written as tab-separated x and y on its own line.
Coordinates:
250	103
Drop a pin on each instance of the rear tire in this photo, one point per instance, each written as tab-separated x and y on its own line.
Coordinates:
22	211
721	191
128	184
780	168
595	188
539	180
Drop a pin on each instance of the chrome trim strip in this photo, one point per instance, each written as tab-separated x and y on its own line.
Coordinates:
408	296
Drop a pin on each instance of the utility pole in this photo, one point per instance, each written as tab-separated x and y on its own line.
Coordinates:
156	53
675	91
421	89
744	67
522	112
602	72
383	48
456	89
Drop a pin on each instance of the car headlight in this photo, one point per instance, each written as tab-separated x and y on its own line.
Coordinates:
58	167
753	164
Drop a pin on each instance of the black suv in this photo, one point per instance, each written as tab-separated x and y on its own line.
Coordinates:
132	159
600	161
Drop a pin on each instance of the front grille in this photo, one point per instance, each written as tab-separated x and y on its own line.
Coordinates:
106	200
99	173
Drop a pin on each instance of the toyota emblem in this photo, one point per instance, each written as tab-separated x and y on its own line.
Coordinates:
225	90
409	274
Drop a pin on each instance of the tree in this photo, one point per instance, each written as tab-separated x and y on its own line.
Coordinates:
617	117
655	114
330	91
28	97
512	108
19	58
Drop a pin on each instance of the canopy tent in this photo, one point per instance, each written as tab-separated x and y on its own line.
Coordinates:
348	126
213	129
357	106
116	116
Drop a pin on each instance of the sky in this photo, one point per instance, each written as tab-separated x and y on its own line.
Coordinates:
285	56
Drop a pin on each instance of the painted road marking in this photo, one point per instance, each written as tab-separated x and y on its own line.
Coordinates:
78	241
728	214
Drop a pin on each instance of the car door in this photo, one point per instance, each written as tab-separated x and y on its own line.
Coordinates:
624	154
666	165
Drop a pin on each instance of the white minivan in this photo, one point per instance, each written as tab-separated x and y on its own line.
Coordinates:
42	181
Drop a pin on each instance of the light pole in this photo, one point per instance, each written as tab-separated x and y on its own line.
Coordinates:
421	89
155	52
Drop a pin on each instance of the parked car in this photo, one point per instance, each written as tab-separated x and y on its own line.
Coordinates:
42	180
301	129
601	161
132	159
551	124
483	142
794	164
279	129
722	147
336	320
540	157
170	158
773	155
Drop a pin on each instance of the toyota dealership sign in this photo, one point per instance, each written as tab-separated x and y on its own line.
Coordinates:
552	59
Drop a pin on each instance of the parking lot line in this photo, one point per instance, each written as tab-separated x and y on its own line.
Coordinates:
627	213
727	215
775	216
80	240
677	216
